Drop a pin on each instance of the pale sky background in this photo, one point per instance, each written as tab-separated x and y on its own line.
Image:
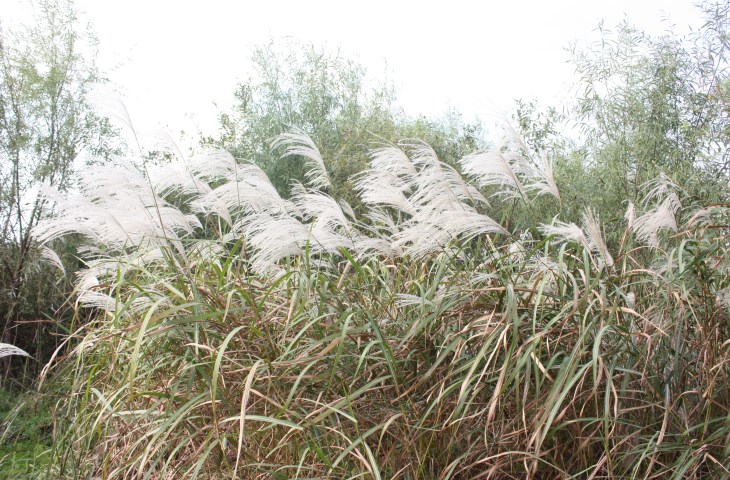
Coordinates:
173	59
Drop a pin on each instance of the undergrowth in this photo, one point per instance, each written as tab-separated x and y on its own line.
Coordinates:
26	427
242	335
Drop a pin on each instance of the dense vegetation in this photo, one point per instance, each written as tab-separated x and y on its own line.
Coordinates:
43	127
358	294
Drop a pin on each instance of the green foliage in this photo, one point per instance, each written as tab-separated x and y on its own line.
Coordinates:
275	350
645	106
654	104
26	423
239	333
45	71
540	128
331	98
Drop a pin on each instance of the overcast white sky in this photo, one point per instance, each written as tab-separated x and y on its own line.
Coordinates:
174	59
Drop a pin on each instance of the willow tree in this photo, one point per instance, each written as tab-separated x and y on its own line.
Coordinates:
652	104
46	69
331	97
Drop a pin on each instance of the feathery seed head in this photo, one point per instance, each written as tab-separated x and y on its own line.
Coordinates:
298	143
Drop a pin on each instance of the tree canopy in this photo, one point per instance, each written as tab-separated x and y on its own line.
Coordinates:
332	98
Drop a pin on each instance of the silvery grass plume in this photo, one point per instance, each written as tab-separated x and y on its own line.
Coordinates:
421	238
594	236
393	160
52	257
542	180
439	205
316	206
243	188
296	142
493	168
439	184
511	173
328	223
273	238
176	180
394	180
213	164
435	199
7	349
115	208
251	193
388	180
433	230
662	217
277	229
126	226
122	211
565	232
384	189
590	236
381	229
630	215
318	223
537	175
123	215
658	188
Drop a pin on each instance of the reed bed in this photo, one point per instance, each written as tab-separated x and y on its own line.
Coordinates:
239	334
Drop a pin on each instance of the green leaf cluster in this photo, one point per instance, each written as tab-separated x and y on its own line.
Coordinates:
332	98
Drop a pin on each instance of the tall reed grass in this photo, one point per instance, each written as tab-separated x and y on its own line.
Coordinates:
243	335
